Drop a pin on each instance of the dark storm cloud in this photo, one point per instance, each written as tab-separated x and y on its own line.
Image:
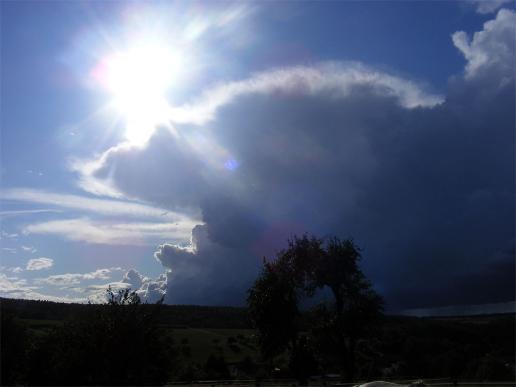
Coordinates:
426	188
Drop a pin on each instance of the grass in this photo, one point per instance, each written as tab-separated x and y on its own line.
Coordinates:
233	344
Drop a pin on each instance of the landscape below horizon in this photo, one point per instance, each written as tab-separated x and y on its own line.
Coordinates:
209	343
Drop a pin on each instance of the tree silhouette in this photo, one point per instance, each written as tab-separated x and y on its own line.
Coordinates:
118	343
273	307
308	264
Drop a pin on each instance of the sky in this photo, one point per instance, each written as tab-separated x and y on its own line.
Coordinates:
169	147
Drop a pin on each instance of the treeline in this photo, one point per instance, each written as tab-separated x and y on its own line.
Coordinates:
468	348
98	345
192	316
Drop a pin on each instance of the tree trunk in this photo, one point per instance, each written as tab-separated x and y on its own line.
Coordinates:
351	359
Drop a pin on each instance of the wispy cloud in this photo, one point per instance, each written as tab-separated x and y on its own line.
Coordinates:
15	288
10	213
40	263
339	77
75	278
488	6
6	235
86	230
82	203
16	269
29	249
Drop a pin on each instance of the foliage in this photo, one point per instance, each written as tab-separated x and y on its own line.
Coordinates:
216	367
119	344
194	316
462	348
13	345
273	307
306	265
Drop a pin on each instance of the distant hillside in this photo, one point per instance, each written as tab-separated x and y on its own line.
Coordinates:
196	316
175	315
403	347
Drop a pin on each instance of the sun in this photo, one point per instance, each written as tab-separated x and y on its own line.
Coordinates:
138	80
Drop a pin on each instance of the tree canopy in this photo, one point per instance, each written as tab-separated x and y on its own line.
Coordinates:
309	264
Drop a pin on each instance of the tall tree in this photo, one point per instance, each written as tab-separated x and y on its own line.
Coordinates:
308	264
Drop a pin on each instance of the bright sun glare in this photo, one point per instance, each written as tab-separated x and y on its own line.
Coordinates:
138	79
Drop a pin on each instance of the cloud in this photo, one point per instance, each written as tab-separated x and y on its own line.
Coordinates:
491	49
424	183
39	263
29	249
74	278
149	290
9	213
113	233
339	79
488	6
82	203
18	289
206	272
14	288
16	269
6	235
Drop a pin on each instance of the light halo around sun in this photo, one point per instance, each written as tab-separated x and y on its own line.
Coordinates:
138	80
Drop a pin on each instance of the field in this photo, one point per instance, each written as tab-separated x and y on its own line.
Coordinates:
198	343
210	343
195	344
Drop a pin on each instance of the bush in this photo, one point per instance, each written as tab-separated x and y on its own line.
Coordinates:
118	344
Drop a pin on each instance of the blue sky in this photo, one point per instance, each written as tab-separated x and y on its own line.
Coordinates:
245	123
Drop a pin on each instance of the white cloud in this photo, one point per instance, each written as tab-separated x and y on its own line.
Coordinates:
148	289
489	6
16	269
9	213
13	288
29	249
39	263
6	235
104	232
491	49
11	250
74	278
337	77
82	203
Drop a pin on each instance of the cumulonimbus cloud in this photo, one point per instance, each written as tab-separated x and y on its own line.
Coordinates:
425	183
491	47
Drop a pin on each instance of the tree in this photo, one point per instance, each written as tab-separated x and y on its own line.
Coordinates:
14	341
308	264
118	343
356	305
273	308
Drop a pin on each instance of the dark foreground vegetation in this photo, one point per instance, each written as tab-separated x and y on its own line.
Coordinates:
473	348
125	342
